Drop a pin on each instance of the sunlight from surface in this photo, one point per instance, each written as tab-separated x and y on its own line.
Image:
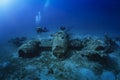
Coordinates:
9	13
5	3
47	3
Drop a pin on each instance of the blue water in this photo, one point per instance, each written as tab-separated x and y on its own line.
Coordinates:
88	17
81	17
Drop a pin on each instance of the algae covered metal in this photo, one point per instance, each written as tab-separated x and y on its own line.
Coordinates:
60	44
29	49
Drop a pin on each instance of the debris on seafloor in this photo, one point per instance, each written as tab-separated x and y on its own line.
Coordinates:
18	41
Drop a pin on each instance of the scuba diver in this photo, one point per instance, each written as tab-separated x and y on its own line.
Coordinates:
41	30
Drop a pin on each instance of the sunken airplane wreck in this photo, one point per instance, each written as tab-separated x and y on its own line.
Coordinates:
61	45
64	54
58	45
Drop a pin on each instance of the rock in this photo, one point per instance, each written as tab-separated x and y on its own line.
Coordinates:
60	44
29	49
